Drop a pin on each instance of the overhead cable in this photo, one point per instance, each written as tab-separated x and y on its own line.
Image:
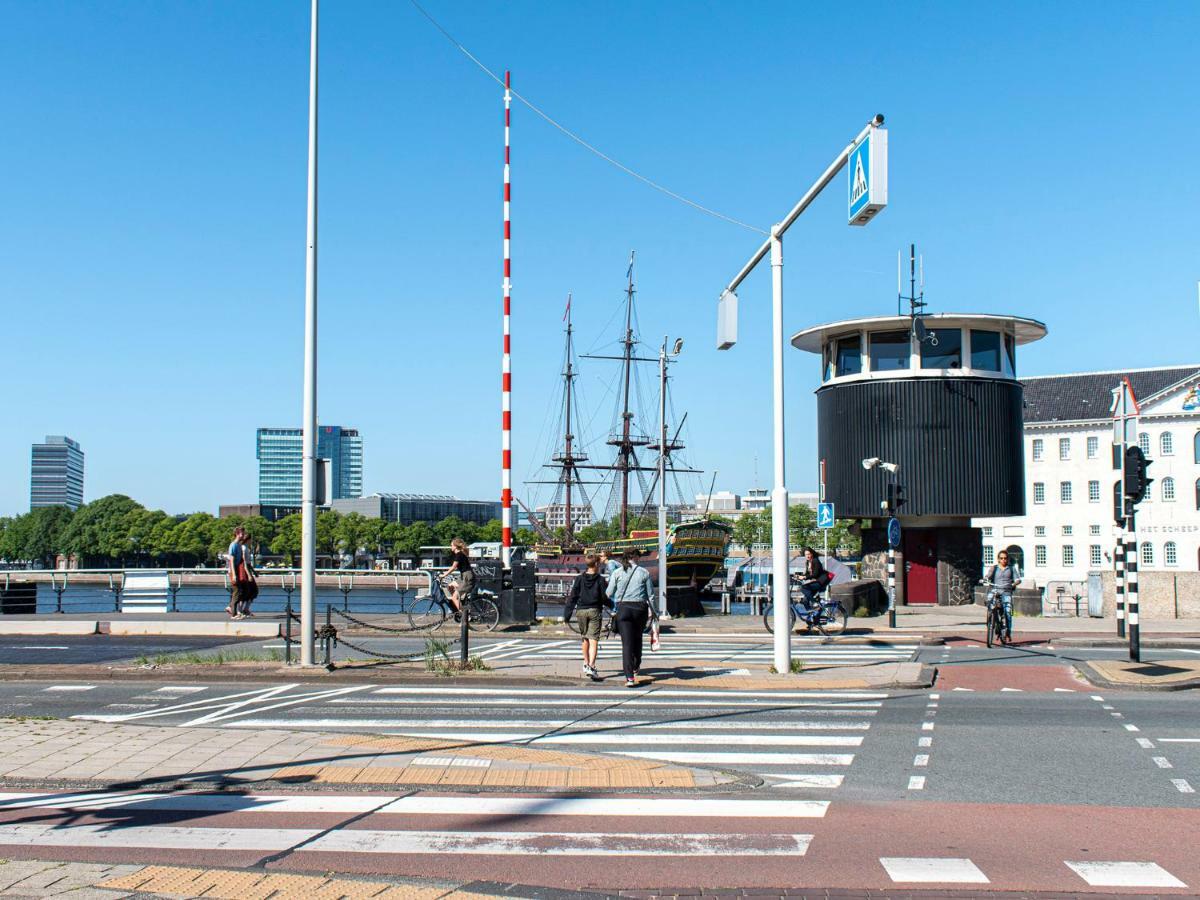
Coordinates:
576	138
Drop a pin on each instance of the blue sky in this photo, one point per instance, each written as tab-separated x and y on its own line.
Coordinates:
152	213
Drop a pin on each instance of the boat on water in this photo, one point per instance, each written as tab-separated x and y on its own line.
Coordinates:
695	550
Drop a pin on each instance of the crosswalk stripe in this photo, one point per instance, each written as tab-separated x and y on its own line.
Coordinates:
613	693
1099	873
637	726
913	870
801	780
161	837
642	700
765	759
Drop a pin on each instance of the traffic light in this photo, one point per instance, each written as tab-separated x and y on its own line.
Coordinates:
895	499
1136	482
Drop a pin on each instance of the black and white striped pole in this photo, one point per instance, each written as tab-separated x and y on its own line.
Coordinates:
1131	588
891	573
1119	564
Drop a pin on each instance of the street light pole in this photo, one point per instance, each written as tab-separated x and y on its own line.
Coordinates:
662	478
308	477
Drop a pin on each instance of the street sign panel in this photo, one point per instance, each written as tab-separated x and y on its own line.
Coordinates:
867	169
893	532
824	515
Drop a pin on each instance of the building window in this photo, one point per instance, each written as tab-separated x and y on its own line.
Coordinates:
1064	448
1039	449
987	530
1144	443
828	362
1039	492
989	555
1196	448
1094	556
1093	492
1039	555
1147	554
1039	530
1093	529
849	355
1093	447
1064	491
1068	530
1166	444
1068	555
948	352
889	350
985	350
1168	490
1198	493
1171	554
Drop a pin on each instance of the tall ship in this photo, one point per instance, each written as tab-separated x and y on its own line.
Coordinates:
626	480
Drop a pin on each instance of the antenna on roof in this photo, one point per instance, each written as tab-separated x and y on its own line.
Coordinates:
916	301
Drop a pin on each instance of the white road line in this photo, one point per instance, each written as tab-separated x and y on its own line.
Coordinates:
1162	762
801	780
764	759
606	806
1132	728
1145	743
238	709
192	705
968	690
916	869
921	759
39	648
927	726
1106	706
1116	715
182	689
273	803
1182	785
598	726
71	687
517	651
613	693
1064	690
813	708
1178	740
1098	698
935	696
916	783
155	836
1011	691
925	742
1124	874
539	843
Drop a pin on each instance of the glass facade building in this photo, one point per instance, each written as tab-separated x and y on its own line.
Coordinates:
409	508
56	473
279	454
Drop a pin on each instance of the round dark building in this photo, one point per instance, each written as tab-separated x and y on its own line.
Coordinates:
928	410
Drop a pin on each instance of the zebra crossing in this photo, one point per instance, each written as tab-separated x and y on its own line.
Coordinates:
816	651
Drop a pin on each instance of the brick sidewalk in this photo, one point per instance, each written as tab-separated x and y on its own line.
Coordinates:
143	757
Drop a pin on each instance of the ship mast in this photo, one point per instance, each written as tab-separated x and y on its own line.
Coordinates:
625	447
568	437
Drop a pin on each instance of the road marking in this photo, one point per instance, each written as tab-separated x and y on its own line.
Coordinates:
910	869
1106	706
39	648
916	783
1097	698
968	690
71	687
1124	874
766	759
925	742
1162	762
1179	740
597	726
1064	690
441	761
931	706
181	689
921	759
539	843
605	806
1131	728
935	696
799	780
1116	715
1011	690
927	726
273	803
613	693
815	707
1145	743
155	836
192	705
238	709
1181	785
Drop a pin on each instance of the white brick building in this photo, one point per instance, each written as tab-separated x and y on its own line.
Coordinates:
1068	528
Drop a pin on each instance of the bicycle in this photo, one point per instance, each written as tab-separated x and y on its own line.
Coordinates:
997	621
828	616
430	612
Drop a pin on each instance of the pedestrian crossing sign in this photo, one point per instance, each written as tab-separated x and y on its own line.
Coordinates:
867	168
824	515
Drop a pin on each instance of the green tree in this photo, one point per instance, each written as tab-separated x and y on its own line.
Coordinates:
327	531
286	541
493	531
416	536
100	529
261	533
523	537
453	527
753	528
350	534
372	535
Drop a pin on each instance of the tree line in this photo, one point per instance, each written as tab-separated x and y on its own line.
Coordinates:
755	528
118	531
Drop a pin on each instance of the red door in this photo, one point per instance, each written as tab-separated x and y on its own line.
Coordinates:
920	567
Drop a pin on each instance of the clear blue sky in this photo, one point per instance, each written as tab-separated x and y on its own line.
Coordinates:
152	177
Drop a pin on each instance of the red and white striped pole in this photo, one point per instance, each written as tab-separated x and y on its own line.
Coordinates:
506	365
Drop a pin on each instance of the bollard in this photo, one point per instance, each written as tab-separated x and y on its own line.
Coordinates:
287	630
328	636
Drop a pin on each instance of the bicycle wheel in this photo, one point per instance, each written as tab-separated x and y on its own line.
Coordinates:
769	618
991	626
426	613
832	620
483	614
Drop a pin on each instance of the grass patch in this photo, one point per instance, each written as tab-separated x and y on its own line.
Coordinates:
219	658
797	667
438	661
862	612
30	718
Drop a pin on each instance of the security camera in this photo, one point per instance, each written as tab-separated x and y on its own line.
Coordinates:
890	467
871	463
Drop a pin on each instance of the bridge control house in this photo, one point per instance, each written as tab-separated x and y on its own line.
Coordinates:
938	396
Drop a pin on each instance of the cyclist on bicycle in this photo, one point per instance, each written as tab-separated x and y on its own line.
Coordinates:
460	562
814	579
1004	577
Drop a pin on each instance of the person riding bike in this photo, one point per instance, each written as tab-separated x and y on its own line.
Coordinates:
814	579
1004	577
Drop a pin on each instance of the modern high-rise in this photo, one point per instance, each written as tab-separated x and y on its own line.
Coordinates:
56	473
280	459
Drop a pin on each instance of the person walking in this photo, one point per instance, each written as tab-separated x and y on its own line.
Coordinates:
633	594
586	604
460	562
241	576
608	565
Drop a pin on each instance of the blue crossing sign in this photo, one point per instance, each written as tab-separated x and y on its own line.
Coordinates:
867	168
893	532
824	515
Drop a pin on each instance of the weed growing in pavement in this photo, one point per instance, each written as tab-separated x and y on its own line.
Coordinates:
28	719
862	612
219	658
437	654
796	668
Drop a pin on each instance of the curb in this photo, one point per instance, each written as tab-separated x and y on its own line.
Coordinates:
1093	677
1166	643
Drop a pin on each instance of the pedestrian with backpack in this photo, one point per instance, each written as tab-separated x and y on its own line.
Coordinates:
586	603
632	590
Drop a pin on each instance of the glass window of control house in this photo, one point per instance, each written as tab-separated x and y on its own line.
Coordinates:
889	350
849	355
1010	353
946	354
985	350
1144	443
827	371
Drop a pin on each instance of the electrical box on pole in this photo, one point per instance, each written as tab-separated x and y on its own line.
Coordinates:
1136	481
